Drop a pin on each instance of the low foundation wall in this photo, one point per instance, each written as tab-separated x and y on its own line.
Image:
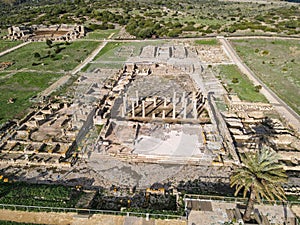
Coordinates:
74	218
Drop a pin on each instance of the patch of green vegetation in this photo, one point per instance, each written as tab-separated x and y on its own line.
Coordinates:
3	74
5	44
59	57
107	48
221	105
20	88
207	42
101	34
99	128
114	54
38	195
276	63
239	83
121	51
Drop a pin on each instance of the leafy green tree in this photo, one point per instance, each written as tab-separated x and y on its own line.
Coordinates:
262	175
37	55
49	43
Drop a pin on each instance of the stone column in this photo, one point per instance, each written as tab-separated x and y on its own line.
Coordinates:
183	97
174	111
184	110
132	108
154	102
125	103
174	97
137	97
195	109
163	114
122	112
194	96
153	115
143	109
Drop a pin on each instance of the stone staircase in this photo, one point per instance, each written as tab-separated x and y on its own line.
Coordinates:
85	200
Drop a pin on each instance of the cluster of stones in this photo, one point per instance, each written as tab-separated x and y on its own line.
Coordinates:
60	32
4	65
251	128
42	137
50	134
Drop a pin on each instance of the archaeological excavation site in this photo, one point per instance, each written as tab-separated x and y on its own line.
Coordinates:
164	116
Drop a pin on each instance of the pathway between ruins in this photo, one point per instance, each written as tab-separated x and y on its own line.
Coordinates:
291	117
12	49
89	58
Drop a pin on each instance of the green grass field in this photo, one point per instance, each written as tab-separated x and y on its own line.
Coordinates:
244	88
60	58
100	34
38	195
3	74
276	63
21	87
5	44
207	42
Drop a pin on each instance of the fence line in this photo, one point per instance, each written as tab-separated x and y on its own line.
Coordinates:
88	211
235	199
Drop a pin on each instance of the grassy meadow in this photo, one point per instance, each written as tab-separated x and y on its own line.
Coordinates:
21	87
61	57
276	63
236	82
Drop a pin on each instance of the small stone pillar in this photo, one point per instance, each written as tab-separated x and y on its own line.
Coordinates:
143	109
195	109
137	97
125	103
174	111
153	115
184	110
154	102
163	114
132	107
122	112
183	97
174	97
194	96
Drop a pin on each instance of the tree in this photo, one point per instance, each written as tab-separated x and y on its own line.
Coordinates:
49	43
37	55
262	175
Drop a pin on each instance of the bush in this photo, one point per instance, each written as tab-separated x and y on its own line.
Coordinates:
235	80
257	88
265	52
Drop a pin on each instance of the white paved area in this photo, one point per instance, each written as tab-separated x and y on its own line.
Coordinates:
176	144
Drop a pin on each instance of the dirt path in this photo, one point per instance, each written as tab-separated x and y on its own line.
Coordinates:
89	58
12	49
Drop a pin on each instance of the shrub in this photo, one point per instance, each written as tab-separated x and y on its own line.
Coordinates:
257	88
235	80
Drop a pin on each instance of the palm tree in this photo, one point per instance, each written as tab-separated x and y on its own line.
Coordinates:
262	175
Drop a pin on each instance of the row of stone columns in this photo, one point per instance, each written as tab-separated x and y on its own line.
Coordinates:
135	103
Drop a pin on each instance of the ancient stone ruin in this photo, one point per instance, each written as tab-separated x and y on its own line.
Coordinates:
60	32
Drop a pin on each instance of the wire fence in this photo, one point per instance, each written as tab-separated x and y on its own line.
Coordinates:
80	211
235	199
